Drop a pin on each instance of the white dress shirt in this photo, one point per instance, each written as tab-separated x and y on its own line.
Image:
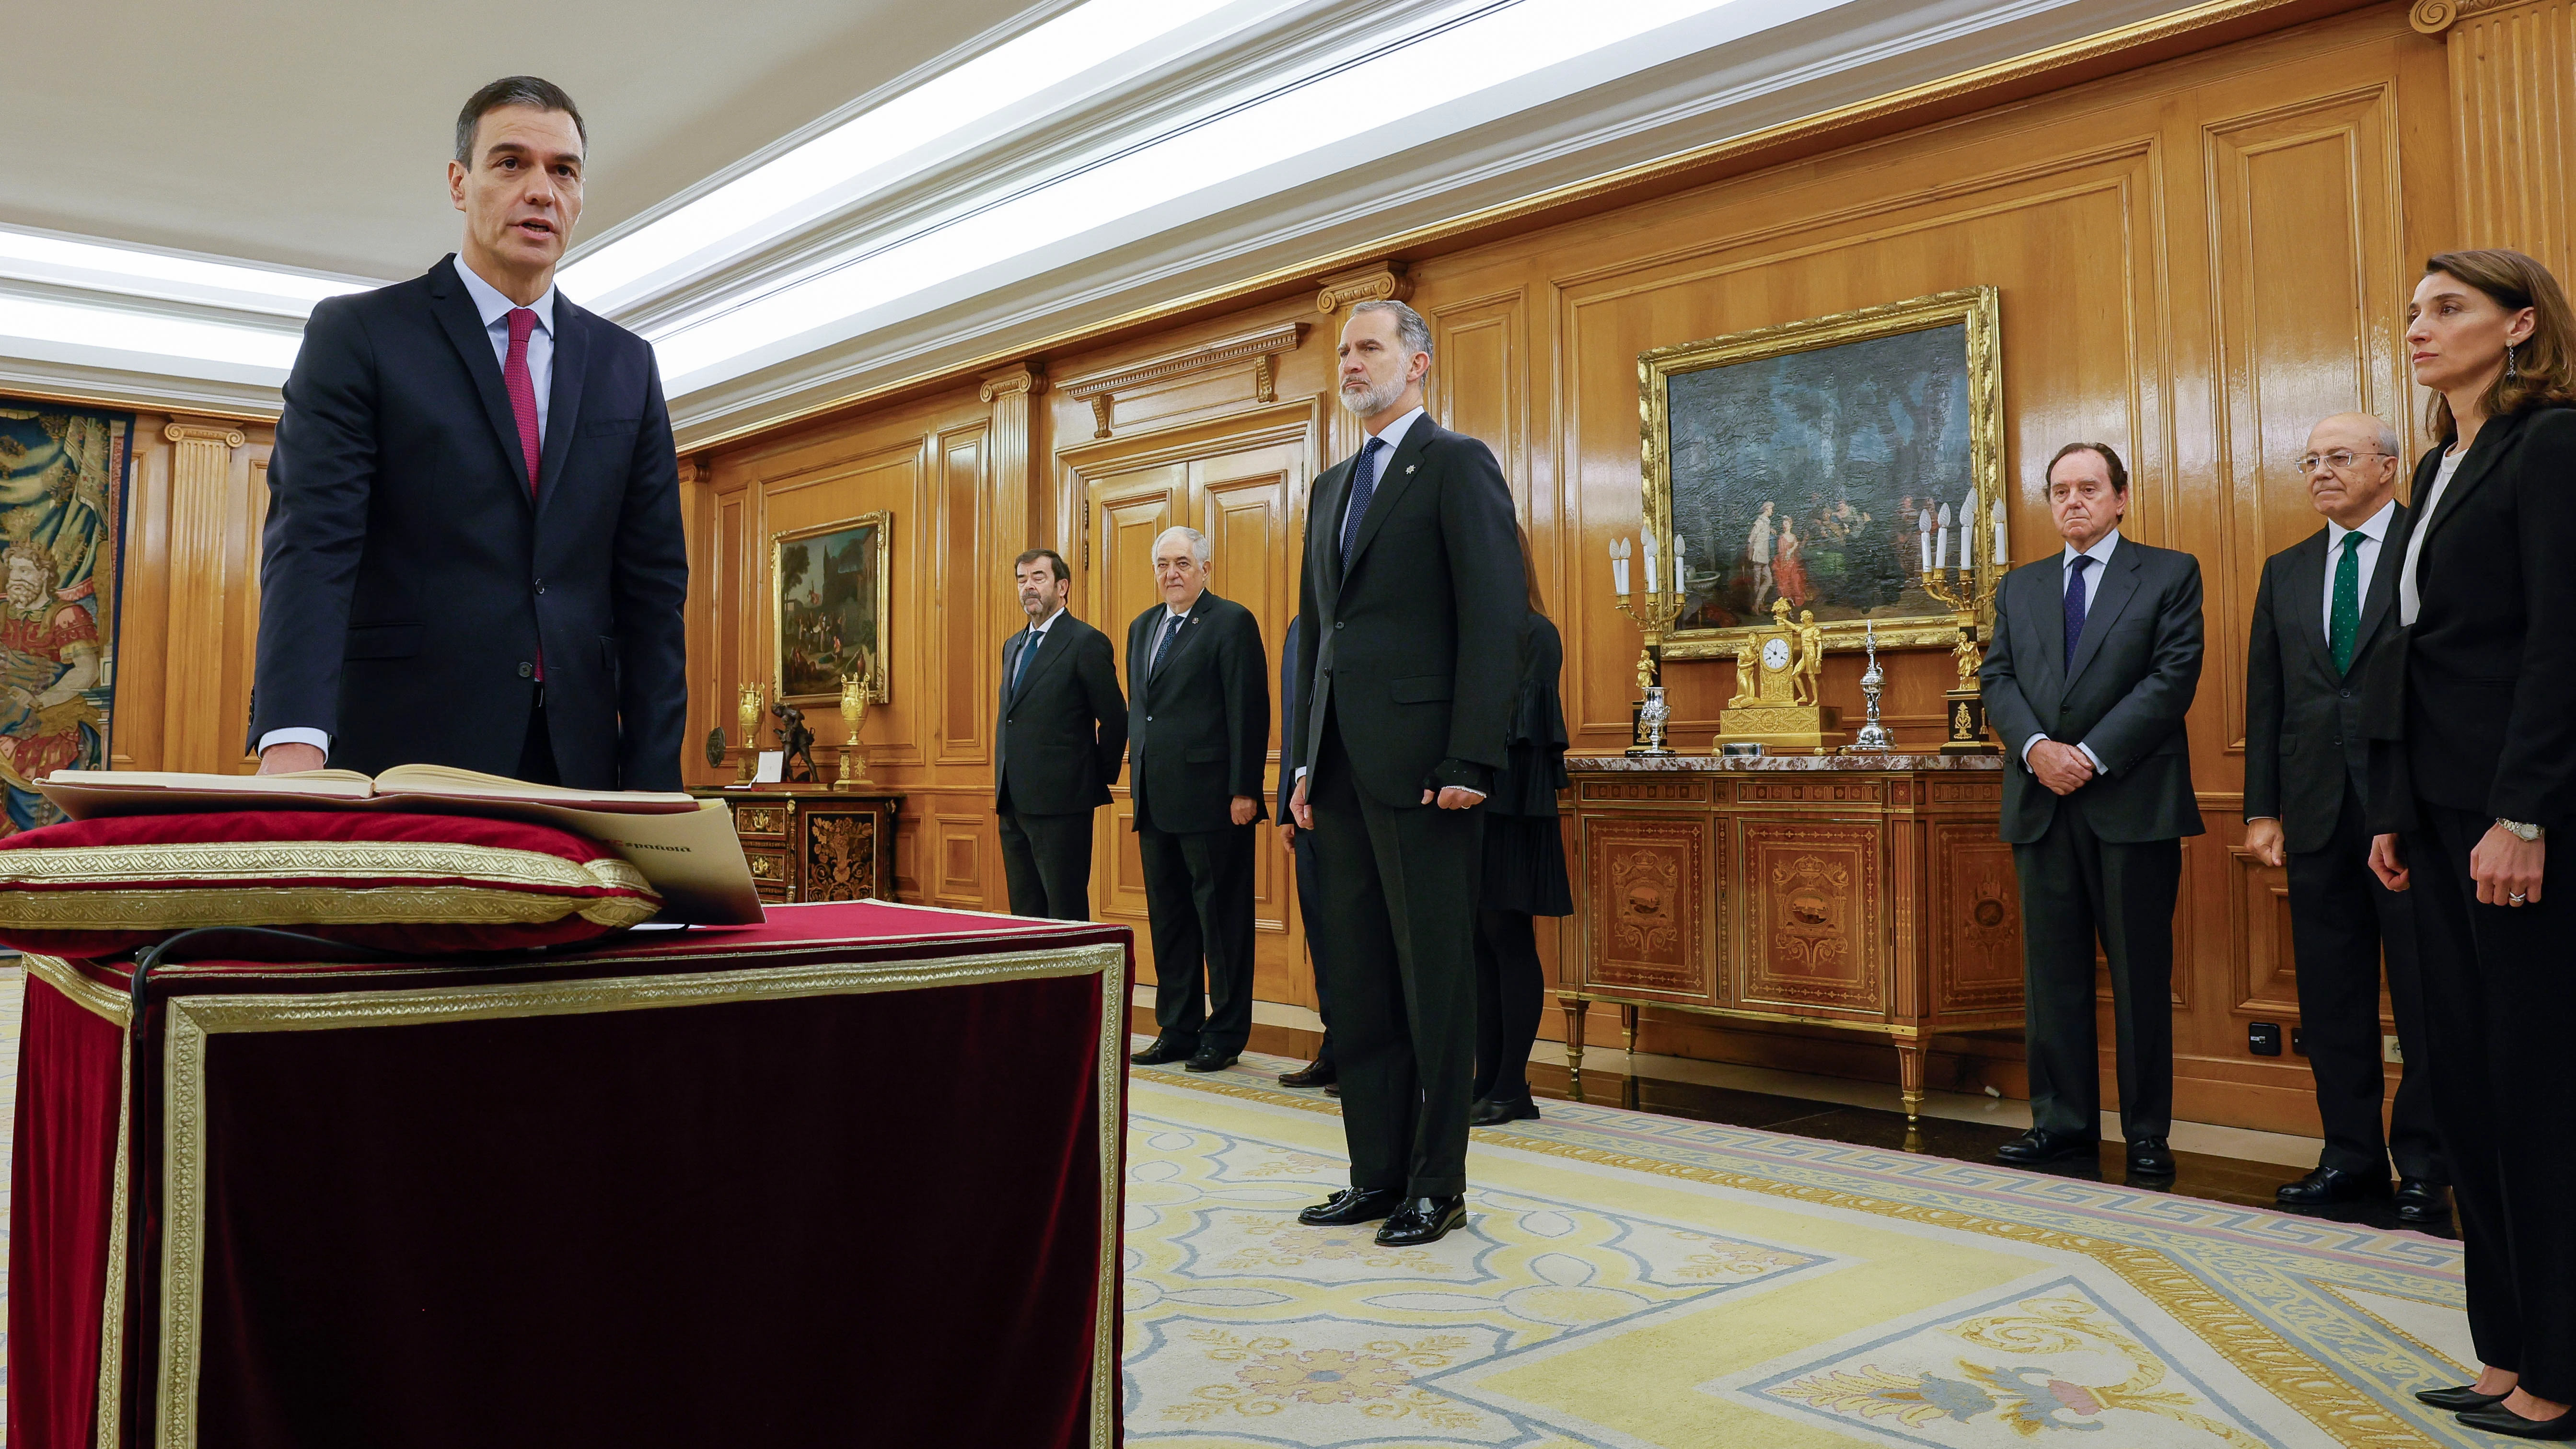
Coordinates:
2410	602
495	311
2100	553
2374	532
1022	663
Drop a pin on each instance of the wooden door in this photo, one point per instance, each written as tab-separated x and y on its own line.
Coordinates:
1241	481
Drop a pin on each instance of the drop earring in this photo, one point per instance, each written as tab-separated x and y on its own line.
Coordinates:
2509	372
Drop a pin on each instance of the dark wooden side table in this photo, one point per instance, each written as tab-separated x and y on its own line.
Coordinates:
814	843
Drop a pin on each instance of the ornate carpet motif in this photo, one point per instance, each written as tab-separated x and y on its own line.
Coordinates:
1628	1280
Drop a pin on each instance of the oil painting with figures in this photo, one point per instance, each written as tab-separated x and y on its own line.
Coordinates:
62	494
831	607
1828	464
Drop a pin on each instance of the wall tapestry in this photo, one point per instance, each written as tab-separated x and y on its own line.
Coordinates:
62	509
830	607
1805	461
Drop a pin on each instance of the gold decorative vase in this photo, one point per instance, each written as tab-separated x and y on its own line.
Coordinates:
855	695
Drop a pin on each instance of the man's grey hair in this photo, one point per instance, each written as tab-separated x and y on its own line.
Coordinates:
2388	439
514	90
1410	329
1200	549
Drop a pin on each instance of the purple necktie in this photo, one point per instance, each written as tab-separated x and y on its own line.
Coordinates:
2075	605
522	389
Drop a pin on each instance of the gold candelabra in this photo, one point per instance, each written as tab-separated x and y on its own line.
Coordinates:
855	698
1654	613
747	708
1970	592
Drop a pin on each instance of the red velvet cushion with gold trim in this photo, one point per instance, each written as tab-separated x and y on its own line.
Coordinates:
427	884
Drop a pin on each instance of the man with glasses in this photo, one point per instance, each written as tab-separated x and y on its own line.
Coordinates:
2321	616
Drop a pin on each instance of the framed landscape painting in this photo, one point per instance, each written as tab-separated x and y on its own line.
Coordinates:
830	607
1827	462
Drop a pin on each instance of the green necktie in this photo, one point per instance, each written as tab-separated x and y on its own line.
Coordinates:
2344	622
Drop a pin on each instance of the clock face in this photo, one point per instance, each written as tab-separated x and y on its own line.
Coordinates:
1775	654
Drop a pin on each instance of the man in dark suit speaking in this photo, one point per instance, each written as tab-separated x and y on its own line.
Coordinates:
1064	732
2322	618
2095	659
473	554
1198	726
1410	609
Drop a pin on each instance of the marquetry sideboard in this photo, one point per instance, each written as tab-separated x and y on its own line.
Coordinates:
1866	892
813	843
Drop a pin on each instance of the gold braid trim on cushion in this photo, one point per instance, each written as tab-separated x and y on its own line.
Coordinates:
112	867
180	910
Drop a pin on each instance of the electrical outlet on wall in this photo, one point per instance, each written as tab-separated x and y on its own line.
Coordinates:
2263	1038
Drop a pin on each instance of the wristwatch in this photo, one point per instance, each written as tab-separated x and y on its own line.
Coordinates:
2521	830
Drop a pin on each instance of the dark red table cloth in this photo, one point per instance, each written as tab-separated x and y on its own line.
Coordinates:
852	1176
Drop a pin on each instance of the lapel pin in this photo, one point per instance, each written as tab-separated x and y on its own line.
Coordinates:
1408	467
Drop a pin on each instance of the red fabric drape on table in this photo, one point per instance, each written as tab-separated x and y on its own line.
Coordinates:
69	1065
831	1220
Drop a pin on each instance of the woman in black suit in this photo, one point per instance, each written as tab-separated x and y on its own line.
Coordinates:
1524	874
2474	727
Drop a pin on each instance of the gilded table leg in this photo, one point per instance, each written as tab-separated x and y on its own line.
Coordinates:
1628	1027
1909	1074
1573	1045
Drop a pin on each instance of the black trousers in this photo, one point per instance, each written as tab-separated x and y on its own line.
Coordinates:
1310	912
1511	997
2340	919
1401	883
1198	905
2075	886
1046	863
537	747
2499	991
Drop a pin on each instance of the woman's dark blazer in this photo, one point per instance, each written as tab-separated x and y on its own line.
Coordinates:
2476	708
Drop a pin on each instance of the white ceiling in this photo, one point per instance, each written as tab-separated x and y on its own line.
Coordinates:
313	133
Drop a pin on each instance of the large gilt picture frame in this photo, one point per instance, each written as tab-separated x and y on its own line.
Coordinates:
829	606
1802	461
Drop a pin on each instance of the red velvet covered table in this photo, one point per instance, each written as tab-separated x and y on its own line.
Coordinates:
848	1177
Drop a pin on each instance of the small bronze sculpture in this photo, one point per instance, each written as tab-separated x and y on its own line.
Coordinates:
797	741
716	747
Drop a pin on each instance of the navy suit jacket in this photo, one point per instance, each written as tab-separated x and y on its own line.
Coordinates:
407	579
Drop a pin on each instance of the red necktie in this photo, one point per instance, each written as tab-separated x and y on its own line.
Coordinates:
523	406
523	391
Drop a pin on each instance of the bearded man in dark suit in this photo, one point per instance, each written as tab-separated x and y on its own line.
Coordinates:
1411	605
473	553
1063	734
2095	659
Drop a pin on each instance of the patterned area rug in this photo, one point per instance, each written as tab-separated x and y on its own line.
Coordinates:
1630	1280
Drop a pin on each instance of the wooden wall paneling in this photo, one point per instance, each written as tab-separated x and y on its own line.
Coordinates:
241	612
2513	104
203	496
961	871
965	675
143	626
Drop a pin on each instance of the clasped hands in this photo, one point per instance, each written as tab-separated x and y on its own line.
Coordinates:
1448	797
2064	769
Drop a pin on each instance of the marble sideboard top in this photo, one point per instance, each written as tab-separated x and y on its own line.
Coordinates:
1703	763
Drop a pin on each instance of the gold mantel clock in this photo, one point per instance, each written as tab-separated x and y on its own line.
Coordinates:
1776	673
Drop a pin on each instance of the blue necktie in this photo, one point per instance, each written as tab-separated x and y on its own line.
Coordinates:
2075	605
1020	667
1363	487
1154	666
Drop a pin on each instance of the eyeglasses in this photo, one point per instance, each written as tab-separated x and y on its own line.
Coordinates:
2339	459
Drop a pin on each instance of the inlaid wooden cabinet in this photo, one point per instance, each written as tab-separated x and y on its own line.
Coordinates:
1867	892
811	843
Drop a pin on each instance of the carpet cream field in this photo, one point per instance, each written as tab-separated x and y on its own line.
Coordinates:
1630	1280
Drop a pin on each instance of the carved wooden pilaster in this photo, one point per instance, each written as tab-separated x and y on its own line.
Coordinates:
1018	481
2513	121
1378	282
201	469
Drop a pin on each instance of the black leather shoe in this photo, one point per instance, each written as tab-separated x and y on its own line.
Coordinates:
1319	1074
2497	1420
2328	1185
2420	1200
1495	1114
1352	1205
2458	1400
1423	1220
1332	1089
2040	1145
2150	1157
1209	1059
1166	1049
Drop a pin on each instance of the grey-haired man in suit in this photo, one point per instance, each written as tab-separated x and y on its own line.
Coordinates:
2095	659
2322	617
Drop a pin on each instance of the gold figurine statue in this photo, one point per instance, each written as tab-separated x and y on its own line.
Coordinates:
1779	669
1811	656
747	712
1747	675
855	696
